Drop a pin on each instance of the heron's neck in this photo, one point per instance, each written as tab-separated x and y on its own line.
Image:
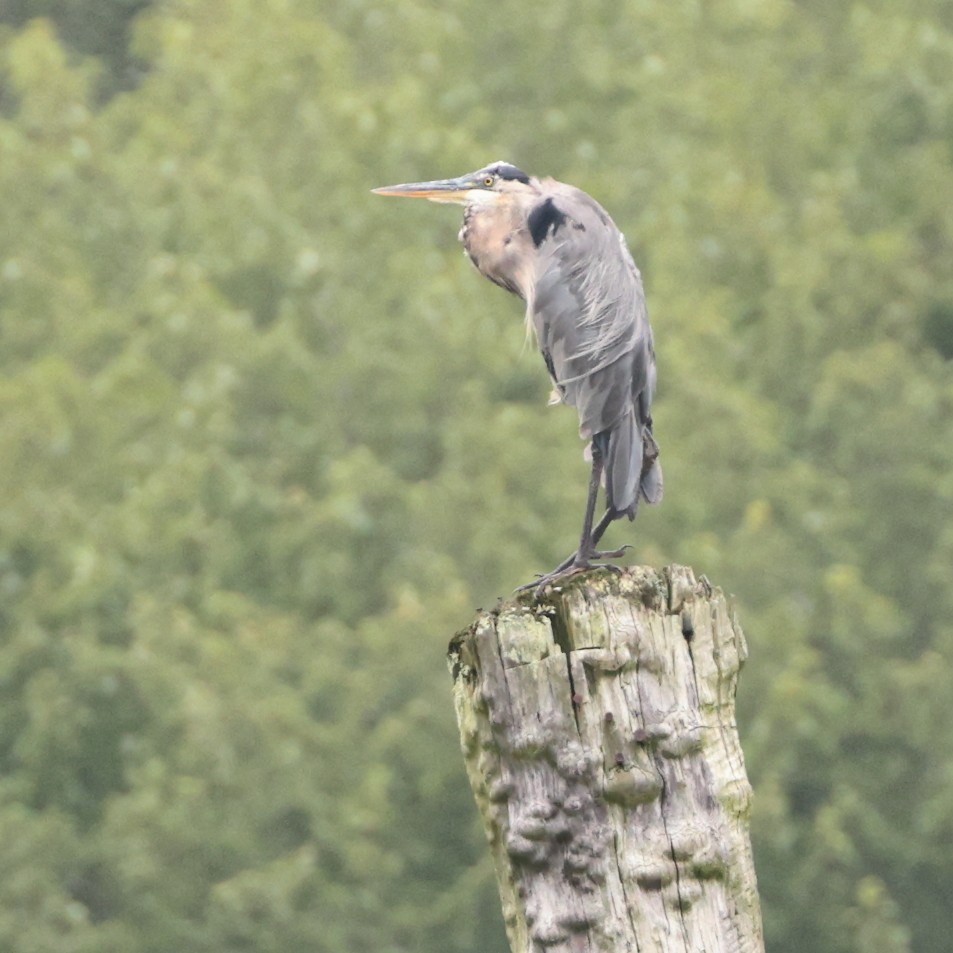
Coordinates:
496	240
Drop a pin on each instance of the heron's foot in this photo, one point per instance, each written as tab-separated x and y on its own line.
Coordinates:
610	553
559	573
583	561
574	564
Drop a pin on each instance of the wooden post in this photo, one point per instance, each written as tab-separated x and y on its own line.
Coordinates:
598	727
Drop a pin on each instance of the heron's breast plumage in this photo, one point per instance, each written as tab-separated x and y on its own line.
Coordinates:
498	244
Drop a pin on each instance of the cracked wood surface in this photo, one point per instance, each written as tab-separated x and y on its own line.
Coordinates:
598	728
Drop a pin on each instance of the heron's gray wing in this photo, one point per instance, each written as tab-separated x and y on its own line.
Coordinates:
588	310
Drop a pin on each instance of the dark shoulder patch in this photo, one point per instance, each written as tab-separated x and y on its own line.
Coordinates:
544	220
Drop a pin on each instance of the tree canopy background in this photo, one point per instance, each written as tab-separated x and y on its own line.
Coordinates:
267	441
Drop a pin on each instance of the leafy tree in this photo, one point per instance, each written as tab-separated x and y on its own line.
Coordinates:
267	441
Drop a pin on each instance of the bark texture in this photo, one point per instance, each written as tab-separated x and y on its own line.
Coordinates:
598	727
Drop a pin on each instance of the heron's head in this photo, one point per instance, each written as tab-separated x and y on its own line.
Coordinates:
487	186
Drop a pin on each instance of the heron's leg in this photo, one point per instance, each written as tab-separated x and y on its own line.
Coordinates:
610	516
590	536
581	558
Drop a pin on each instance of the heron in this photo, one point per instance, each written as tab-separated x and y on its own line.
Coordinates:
557	249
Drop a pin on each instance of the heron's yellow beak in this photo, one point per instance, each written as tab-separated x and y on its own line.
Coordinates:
451	191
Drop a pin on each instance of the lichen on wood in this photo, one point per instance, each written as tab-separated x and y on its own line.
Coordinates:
598	729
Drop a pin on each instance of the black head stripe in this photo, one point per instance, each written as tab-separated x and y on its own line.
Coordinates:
509	172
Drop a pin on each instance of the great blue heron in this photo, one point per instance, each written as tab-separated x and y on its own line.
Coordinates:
557	249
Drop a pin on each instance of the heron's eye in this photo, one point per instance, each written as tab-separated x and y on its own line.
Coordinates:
488	181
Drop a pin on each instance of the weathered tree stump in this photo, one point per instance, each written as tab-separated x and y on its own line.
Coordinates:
598	727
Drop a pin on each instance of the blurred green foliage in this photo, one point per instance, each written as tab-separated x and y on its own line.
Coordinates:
267	441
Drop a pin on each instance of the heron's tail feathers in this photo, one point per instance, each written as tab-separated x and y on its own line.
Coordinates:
632	470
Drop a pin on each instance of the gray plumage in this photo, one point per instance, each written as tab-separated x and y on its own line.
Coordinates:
557	248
